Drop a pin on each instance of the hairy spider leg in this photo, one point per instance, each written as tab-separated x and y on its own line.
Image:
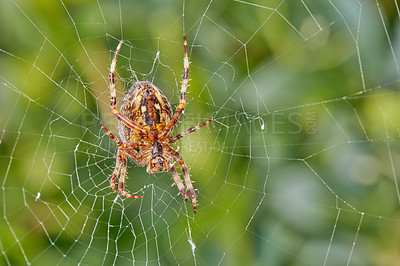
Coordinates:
113	93
111	136
178	182
181	106
187	132
115	174
130	149
120	166
178	158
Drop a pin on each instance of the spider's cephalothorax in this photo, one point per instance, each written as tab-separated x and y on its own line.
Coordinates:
145	123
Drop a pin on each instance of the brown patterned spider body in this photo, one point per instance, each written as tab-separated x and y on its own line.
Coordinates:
145	123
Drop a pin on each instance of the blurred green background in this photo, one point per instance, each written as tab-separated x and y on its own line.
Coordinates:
300	166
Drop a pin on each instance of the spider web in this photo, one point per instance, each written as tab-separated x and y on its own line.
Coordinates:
299	167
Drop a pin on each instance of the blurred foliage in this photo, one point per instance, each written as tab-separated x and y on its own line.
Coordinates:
300	166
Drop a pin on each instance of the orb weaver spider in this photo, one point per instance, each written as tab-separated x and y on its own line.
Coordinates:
145	123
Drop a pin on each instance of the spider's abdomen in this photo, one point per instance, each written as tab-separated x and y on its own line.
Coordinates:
146	105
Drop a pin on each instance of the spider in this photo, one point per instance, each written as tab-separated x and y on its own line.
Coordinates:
145	123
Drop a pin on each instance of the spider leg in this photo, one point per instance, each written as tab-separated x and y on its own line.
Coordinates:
187	132
186	176
181	106
122	159
111	136
122	179
188	182
116	172
113	93
134	154
178	182
120	166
